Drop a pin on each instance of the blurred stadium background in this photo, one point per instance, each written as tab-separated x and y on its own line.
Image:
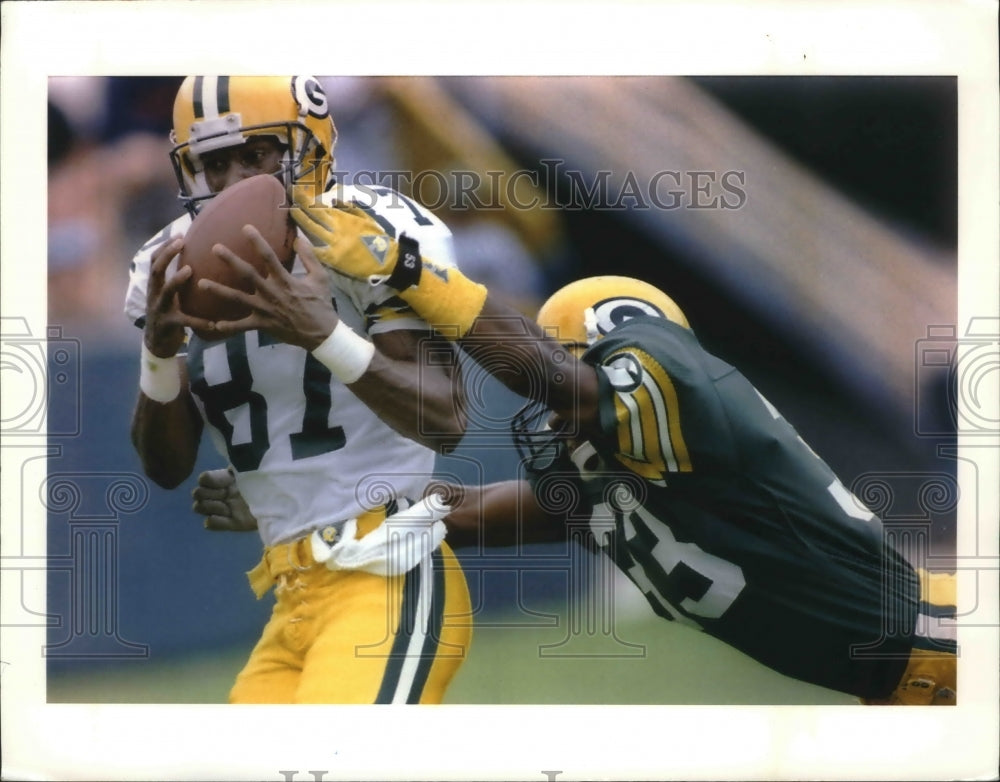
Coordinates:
824	271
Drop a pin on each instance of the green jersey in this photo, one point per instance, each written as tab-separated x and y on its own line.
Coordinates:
726	519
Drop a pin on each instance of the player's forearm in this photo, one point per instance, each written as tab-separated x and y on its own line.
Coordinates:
420	402
519	354
499	514
166	437
511	347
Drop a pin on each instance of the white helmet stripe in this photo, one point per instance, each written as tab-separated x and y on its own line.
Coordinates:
211	96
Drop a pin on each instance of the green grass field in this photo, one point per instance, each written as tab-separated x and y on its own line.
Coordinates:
649	662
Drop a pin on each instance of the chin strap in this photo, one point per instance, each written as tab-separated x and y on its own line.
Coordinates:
590	323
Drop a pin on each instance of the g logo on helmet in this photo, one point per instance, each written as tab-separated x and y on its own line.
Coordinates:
309	95
611	313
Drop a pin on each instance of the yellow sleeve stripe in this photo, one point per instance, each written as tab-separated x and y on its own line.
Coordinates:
388	311
629	431
649	426
659	449
662	387
388	314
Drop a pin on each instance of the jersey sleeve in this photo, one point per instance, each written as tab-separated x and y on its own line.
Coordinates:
382	308
135	296
640	414
659	409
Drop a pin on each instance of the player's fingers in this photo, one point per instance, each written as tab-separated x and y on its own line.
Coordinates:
226	524
220	478
274	266
210	493
244	270
308	257
177	317
197	324
174	284
169	310
158	270
164	255
309	213
324	225
307	224
206	507
203	496
223	329
225	292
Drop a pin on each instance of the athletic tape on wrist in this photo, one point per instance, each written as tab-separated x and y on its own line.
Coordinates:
345	353
159	378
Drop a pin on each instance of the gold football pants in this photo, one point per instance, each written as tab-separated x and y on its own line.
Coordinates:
338	636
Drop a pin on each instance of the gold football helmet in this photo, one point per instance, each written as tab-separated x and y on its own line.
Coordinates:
577	315
582	312
214	112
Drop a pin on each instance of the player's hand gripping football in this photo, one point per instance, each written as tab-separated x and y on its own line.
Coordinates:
220	502
296	309
345	238
165	321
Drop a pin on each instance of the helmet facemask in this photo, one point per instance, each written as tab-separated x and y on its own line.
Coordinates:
578	315
299	160
538	444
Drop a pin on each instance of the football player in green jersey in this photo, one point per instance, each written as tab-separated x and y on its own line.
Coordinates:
703	495
682	472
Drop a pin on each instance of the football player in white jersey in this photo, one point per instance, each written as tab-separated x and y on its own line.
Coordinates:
367	610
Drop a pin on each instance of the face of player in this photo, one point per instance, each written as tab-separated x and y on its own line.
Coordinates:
225	167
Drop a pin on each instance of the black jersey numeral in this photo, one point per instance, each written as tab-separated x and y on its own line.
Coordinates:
381	219
220	398
316	436
418	217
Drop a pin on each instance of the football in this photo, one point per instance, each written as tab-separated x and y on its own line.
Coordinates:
257	201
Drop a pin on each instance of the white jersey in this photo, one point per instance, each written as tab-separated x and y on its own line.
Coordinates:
306	451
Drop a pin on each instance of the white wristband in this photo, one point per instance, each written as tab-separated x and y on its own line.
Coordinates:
159	378
345	353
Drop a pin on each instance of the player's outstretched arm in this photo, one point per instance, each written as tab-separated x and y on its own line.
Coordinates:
166	427
345	236
497	514
530	363
509	345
